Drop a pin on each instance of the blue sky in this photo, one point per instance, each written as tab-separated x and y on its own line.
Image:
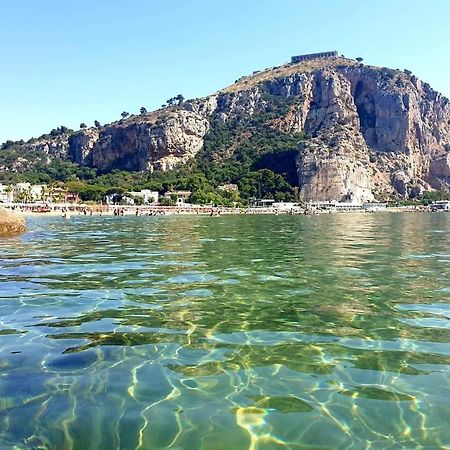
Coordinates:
63	62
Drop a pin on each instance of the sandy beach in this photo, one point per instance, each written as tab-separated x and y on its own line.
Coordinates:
71	210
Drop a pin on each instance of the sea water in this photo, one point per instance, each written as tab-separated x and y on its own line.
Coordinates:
241	332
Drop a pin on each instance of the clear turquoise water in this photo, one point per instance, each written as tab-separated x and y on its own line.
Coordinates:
243	332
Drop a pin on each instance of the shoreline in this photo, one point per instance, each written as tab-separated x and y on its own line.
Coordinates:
68	210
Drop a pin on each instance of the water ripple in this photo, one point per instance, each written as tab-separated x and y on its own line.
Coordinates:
247	332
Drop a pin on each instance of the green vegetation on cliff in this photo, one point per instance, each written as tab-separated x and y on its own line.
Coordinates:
246	136
245	151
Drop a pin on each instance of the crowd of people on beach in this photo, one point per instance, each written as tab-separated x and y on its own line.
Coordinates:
66	210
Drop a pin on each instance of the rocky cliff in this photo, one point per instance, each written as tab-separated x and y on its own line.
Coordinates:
368	132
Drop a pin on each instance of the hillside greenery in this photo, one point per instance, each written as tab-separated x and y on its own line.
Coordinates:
248	151
245	151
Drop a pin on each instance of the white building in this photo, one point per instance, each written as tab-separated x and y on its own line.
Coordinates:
6	194
182	196
146	195
374	206
283	206
441	205
21	188
30	192
262	203
229	187
334	205
39	192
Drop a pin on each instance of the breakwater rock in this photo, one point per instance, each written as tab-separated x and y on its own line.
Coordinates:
11	223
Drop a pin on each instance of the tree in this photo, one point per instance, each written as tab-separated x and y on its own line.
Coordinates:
175	100
359	59
92	193
59	131
167	201
83	125
7	144
125	115
97	124
76	186
143	110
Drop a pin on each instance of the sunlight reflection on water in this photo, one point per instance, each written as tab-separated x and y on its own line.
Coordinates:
253	332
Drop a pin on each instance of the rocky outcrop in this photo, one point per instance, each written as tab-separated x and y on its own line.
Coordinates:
50	147
144	146
335	166
81	145
440	167
11	223
369	130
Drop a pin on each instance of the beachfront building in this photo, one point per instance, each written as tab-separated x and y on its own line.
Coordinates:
441	205
36	193
374	206
40	192
181	196
6	194
72	197
283	206
30	193
57	195
262	202
22	192
146	195
334	205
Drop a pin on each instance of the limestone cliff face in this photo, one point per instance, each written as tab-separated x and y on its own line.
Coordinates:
369	131
335	166
81	145
140	146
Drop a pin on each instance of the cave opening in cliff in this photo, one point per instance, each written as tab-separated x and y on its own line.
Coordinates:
282	162
365	107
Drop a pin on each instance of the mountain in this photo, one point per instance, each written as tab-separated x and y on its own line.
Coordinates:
335	128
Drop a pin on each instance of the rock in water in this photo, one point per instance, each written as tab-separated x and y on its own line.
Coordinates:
11	223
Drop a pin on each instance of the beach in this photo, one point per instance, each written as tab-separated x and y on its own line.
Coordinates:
69	209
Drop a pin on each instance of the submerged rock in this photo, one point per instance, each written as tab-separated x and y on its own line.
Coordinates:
11	223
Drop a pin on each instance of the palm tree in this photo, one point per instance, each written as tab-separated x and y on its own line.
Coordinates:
44	193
